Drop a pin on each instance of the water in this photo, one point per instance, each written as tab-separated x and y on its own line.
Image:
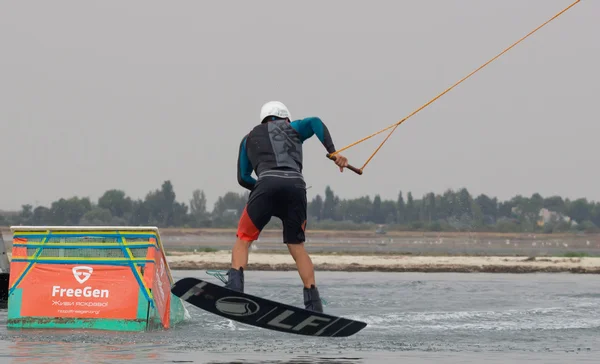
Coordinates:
412	317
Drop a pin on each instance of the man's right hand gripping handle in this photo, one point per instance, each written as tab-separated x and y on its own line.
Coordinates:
352	168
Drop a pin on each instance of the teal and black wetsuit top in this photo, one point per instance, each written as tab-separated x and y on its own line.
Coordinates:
277	145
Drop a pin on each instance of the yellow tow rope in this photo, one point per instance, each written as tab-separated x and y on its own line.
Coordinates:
395	125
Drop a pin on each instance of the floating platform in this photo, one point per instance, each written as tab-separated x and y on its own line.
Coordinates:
91	277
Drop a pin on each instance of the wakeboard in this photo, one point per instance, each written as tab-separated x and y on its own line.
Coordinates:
261	312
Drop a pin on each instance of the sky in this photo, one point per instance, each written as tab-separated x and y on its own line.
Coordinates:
128	94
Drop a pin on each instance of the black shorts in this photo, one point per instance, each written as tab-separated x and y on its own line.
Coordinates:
282	195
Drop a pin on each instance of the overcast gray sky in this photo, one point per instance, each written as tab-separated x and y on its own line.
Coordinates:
127	94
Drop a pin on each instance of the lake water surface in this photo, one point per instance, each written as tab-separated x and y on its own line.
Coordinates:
412	317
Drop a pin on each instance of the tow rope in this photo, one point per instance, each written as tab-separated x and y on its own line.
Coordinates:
395	125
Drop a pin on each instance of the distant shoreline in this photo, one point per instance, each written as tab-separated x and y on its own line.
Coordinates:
396	251
372	233
369	233
391	263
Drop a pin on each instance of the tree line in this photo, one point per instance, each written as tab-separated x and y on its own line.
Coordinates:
449	211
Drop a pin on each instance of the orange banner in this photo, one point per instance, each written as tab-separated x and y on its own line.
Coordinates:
161	290
80	291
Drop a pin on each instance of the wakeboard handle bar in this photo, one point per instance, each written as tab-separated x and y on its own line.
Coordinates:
352	168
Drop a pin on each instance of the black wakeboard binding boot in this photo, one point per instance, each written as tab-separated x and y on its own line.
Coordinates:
312	300
235	279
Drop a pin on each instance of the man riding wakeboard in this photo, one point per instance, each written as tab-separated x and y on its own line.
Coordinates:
273	150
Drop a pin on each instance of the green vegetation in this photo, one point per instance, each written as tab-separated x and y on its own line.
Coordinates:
577	255
449	211
188	249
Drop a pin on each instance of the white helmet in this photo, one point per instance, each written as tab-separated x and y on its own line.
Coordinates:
274	108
